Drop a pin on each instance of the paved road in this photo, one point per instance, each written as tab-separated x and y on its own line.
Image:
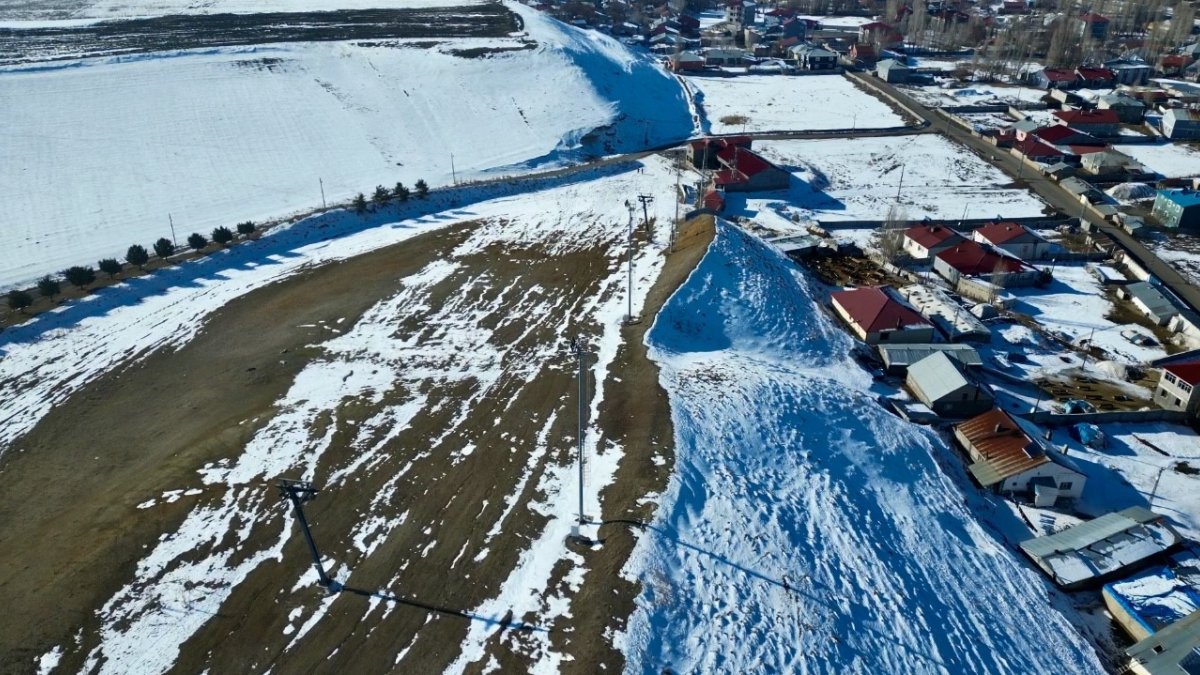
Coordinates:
1048	190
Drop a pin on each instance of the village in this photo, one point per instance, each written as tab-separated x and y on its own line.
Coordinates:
1056	348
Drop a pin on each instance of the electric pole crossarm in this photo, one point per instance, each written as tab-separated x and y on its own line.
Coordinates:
298	492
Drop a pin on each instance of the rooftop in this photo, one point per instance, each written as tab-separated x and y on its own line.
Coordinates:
938	375
1084	117
1006	449
1155	301
878	309
1003	233
1183	196
1172	649
931	235
1101	546
969	258
904	355
1188	371
1162	595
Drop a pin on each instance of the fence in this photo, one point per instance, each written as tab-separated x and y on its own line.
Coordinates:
1052	419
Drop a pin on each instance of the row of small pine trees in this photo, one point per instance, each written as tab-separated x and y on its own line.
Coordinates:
82	276
382	196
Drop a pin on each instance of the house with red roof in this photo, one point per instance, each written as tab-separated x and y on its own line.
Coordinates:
1177	390
1093	25
972	260
747	171
1014	239
1096	77
879	33
702	153
863	53
714	200
1038	150
1095	122
924	241
1056	78
879	315
1057	134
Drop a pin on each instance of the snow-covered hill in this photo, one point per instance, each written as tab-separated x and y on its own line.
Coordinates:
98	154
805	529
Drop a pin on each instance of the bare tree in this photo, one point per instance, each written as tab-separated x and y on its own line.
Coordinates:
891	234
999	279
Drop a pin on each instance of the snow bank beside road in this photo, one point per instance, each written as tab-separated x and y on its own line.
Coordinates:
804	528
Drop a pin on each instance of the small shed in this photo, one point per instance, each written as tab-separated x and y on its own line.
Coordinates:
941	383
1150	300
897	358
1009	457
1157	597
892	71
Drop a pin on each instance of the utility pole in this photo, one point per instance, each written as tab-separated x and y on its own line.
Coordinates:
171	220
1087	351
901	185
629	296
321	182
645	199
675	223
580	351
298	492
453	174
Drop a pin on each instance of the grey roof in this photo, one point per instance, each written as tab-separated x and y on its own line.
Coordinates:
937	375
1076	186
887	64
1026	125
1182	115
1115	100
906	355
1174	649
1155	301
1085	534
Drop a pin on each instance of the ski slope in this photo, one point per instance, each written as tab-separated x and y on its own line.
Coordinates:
97	155
806	530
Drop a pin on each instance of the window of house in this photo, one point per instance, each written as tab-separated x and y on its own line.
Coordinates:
1187	388
1065	486
1169	378
884	336
1177	401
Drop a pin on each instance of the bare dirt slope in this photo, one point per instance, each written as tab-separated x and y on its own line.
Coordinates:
451	417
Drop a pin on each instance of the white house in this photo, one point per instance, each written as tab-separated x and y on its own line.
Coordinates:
1010	457
1179	387
1014	239
925	241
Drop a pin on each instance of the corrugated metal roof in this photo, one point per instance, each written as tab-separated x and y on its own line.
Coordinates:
937	376
1086	534
906	355
1154	299
1004	450
1172	649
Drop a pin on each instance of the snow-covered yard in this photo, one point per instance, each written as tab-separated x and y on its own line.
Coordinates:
858	179
1181	251
805	529
778	102
1075	307
1172	160
99	154
950	94
1137	467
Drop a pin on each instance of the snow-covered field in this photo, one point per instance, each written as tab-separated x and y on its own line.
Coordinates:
805	529
217	545
16	13
858	179
99	154
1172	160
778	102
972	94
1181	251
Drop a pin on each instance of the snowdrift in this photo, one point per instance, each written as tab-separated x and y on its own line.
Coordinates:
804	528
100	154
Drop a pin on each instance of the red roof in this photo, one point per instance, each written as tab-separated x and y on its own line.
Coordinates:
877	309
1176	60
714	200
1031	146
875	25
1002	233
1058	133
1086	149
1084	117
742	163
1093	17
929	236
970	259
1059	75
1096	73
1188	371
